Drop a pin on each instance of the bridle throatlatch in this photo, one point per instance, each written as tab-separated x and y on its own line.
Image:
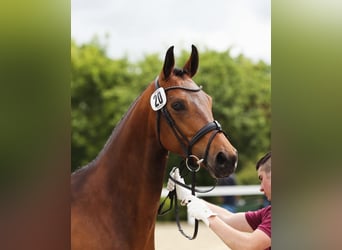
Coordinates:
158	103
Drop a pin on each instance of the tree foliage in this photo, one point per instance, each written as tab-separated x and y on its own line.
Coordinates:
102	89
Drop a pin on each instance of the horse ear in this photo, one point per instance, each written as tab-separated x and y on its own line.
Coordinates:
192	64
169	63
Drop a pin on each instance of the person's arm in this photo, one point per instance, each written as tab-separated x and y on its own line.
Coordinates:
236	239
235	220
232	228
220	211
235	231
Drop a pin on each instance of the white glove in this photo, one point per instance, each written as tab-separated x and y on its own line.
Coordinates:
199	210
170	183
183	194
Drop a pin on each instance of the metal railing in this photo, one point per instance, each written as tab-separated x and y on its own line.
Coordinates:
225	190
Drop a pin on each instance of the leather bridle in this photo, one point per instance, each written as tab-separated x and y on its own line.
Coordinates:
185	143
192	162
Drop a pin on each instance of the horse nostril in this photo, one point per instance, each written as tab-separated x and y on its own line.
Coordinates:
223	160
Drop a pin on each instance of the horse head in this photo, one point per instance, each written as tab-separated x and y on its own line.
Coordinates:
185	121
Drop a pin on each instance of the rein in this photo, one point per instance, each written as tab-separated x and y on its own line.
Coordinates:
191	161
172	195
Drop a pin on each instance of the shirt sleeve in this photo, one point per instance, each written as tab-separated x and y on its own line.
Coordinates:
260	219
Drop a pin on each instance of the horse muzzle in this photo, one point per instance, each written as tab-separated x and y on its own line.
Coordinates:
222	164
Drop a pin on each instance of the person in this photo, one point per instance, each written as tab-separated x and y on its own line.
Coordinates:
242	230
229	201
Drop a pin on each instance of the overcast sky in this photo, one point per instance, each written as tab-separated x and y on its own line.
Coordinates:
137	27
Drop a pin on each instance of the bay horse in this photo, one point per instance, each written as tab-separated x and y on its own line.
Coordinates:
115	198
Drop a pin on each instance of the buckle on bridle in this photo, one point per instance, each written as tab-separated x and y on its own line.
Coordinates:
190	165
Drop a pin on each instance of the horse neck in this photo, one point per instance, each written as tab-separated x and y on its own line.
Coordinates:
132	160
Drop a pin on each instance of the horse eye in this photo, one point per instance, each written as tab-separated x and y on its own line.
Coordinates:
178	106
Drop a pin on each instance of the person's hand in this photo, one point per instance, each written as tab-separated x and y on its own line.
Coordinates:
199	210
183	194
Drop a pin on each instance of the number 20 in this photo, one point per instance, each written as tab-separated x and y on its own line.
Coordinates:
158	99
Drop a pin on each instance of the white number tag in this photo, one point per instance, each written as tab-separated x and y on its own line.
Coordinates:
158	99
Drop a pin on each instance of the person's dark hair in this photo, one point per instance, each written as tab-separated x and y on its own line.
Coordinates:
263	160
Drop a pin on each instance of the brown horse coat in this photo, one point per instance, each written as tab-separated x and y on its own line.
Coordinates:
115	198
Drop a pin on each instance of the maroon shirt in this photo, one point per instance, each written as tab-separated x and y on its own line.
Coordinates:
260	219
